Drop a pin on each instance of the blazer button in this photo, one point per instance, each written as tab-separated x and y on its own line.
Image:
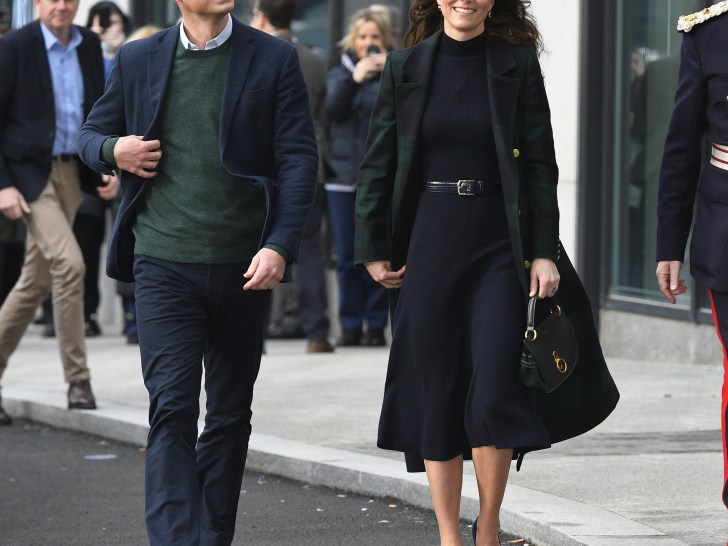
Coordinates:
516	152
526	264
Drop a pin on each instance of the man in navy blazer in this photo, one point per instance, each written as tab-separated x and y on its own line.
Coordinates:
689	175
51	73
209	124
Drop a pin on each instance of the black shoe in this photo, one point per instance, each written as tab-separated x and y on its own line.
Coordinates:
475	530
92	328
48	330
374	338
132	339
5	419
349	338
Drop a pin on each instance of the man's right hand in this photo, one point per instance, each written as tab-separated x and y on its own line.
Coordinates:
137	156
12	203
668	277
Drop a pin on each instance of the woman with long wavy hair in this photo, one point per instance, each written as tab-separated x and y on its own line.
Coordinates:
457	215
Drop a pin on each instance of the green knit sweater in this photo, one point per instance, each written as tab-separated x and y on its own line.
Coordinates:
194	211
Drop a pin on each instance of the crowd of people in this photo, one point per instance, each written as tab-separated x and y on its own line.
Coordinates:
443	217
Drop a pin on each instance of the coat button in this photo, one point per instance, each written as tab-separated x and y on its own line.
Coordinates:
516	152
526	264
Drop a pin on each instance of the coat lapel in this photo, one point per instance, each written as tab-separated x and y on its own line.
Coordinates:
503	91
159	67
411	100
242	51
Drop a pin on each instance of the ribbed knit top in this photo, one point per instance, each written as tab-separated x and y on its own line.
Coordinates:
457	134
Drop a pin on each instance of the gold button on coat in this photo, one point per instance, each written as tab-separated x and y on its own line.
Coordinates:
516	152
526	264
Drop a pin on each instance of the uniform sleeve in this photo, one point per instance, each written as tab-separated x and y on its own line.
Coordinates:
682	156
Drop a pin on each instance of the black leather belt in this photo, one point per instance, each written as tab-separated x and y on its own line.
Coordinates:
462	187
65	158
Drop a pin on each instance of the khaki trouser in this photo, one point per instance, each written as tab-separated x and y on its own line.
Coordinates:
53	261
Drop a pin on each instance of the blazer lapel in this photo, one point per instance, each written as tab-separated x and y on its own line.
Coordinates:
90	77
242	51
159	67
44	68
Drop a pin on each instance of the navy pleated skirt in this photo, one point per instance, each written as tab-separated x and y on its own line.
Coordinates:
452	382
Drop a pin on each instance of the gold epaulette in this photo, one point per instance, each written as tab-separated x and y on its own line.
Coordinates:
686	22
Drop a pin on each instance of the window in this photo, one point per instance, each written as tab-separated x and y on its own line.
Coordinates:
648	58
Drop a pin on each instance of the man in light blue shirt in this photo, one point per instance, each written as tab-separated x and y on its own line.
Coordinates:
52	74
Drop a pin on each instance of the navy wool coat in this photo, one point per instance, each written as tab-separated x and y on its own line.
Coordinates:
389	185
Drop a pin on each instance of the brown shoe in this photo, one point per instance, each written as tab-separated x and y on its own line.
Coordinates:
4	417
319	346
80	395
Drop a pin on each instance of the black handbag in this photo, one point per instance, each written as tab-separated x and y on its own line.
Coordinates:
550	350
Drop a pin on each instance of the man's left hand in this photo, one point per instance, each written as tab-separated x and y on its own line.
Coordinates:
265	271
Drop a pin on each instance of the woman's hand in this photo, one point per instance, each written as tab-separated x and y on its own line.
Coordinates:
544	278
382	273
369	67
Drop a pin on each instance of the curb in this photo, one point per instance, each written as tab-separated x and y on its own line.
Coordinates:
545	519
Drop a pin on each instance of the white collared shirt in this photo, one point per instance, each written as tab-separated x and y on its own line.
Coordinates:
217	41
68	92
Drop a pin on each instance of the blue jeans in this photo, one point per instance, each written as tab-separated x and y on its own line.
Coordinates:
360	297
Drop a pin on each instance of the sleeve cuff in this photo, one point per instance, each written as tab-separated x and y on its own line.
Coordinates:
107	152
280	250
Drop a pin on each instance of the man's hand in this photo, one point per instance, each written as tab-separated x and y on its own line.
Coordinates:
265	271
12	203
381	272
137	156
110	189
668	278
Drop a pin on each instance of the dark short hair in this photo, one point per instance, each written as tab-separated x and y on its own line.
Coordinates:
278	12
104	11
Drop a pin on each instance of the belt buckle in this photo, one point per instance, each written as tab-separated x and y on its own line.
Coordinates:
468	185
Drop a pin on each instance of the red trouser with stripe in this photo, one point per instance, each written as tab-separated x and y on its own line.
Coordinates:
719	304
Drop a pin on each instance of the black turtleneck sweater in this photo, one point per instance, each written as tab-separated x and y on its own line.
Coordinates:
457	133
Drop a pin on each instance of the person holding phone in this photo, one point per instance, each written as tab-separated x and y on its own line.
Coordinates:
352	89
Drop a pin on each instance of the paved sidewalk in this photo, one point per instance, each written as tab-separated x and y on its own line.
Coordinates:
651	474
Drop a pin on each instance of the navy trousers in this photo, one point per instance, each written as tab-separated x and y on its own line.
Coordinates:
719	304
187	314
310	277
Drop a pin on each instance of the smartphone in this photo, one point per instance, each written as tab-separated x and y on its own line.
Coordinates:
373	49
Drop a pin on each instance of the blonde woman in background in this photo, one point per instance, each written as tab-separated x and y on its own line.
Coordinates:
352	90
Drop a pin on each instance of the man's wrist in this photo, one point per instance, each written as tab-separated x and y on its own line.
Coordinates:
280	250
107	152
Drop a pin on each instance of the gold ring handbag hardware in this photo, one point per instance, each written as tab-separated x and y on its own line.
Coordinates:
550	350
